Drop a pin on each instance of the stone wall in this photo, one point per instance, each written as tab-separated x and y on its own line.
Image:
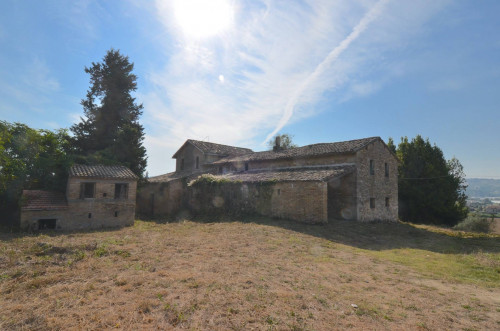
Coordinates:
157	199
300	201
29	218
269	164
377	186
342	199
189	154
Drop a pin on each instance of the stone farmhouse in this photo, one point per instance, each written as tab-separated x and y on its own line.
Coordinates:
96	196
352	180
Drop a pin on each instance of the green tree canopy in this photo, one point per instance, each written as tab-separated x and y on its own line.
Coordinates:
431	189
111	133
31	159
285	142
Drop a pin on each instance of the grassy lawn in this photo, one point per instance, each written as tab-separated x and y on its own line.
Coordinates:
255	273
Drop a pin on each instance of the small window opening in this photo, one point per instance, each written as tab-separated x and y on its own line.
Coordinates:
372	167
387	202
372	203
279	191
182	164
90	215
104	195
121	191
197	162
386	170
116	214
87	190
246	166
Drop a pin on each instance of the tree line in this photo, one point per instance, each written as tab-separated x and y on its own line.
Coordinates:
109	133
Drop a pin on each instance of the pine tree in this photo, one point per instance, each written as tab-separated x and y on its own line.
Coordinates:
111	133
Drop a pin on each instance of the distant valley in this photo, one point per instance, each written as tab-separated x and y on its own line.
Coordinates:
482	188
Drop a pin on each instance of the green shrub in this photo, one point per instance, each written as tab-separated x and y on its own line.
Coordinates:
474	223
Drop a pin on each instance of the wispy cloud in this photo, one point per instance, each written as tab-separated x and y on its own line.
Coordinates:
277	62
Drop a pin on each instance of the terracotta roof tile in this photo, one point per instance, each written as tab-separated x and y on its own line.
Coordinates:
43	200
174	175
310	173
101	171
341	147
218	149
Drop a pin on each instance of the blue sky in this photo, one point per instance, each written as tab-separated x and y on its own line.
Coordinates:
237	72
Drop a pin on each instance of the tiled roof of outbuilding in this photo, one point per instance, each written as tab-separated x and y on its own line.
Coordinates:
341	147
293	174
101	171
43	200
218	149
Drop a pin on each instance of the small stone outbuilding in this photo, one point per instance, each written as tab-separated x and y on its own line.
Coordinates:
97	196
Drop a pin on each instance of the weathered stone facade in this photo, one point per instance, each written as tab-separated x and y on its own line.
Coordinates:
96	197
354	180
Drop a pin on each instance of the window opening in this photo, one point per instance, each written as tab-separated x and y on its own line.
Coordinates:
386	170
387	202
372	203
372	167
121	191
246	166
87	190
197	162
116	214
90	215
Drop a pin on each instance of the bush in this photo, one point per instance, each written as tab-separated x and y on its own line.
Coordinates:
474	223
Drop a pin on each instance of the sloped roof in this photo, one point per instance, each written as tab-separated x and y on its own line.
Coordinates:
43	200
292	174
341	147
101	171
174	175
212	148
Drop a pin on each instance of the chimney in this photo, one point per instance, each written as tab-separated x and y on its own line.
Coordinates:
277	145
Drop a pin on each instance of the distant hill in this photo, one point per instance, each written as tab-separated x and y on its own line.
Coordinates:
481	188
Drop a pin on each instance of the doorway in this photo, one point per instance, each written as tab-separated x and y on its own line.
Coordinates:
47	224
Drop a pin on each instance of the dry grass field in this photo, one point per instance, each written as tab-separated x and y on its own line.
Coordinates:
253	274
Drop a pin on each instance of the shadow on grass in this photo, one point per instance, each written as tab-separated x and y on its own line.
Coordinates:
9	234
373	235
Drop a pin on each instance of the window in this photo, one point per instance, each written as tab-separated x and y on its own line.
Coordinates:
372	203
121	191
279	192
372	167
386	170
87	190
182	164
387	201
116	214
246	166
90	215
197	162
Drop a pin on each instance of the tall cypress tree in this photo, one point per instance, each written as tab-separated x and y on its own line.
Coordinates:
431	189
111	133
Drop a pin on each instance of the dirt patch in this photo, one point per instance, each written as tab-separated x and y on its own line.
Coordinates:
232	275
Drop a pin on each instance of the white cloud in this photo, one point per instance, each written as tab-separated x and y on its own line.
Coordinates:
276	63
38	76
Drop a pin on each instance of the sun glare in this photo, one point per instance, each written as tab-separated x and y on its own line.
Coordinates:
203	18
